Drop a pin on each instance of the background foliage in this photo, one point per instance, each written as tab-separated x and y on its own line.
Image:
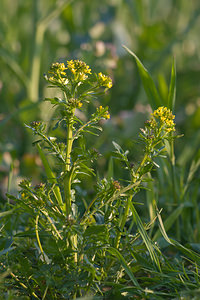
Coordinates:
35	33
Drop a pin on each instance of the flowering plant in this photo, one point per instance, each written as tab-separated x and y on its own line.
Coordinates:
76	241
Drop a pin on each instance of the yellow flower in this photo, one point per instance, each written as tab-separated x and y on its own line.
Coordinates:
80	105
58	68
165	117
23	195
104	113
58	74
104	80
79	69
107	116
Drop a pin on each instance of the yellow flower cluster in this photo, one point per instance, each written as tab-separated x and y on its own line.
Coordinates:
79	69
104	113
57	71
165	117
104	80
58	68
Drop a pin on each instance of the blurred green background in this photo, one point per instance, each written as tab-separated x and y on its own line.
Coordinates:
35	33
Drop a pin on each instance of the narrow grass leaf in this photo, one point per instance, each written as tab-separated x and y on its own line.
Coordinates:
6	213
110	173
172	88
151	198
3	252
14	66
162	230
168	223
145	237
141	259
10	176
149	86
193	168
127	269
50	175
188	252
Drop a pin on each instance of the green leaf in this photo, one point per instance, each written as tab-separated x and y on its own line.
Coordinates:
172	88
168	223
145	237
188	252
6	213
191	174
117	147
127	269
51	176
148	83
3	252
110	169
96	234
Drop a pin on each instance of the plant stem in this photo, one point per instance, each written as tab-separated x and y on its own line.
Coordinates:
40	27
127	207
38	238
36	62
123	221
67	180
173	168
74	243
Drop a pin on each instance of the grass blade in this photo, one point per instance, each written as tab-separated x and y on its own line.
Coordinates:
169	222
172	88
193	168
6	213
10	176
145	237
117	254
188	252
149	86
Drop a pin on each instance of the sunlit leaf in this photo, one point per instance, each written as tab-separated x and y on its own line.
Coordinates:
148	83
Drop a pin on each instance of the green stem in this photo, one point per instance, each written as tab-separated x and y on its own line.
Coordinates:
127	207
123	221
23	285
141	166
40	27
38	238
36	62
75	244
67	180
172	158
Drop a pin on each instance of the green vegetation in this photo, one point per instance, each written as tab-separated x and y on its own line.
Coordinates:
100	188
